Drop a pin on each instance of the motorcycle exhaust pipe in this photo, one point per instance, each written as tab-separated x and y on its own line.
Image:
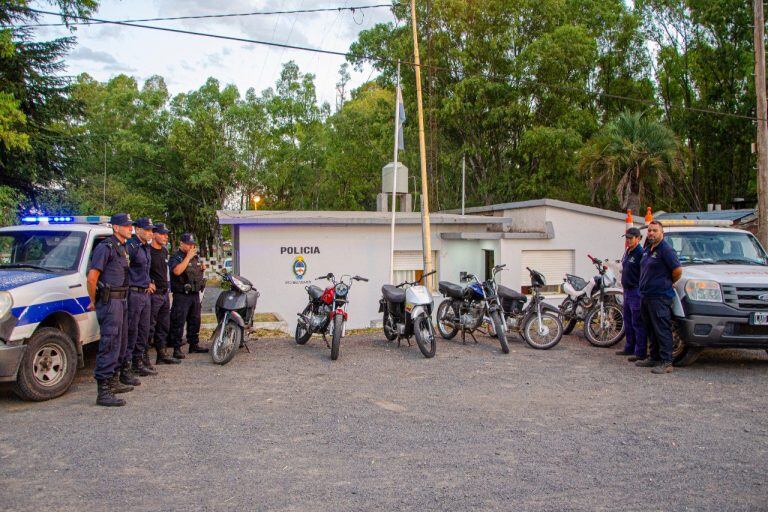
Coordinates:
303	320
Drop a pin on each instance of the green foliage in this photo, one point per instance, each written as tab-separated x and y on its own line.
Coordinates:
9	203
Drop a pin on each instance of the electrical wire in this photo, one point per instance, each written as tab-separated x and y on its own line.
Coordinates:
347	55
353	9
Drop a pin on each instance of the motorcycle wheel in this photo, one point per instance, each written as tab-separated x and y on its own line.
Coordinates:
425	336
568	322
389	328
445	320
302	332
501	333
606	331
550	335
225	347
338	326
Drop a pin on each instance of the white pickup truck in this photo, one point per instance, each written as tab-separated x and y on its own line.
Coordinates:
44	320
722	297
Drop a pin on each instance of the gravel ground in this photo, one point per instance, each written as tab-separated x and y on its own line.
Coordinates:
284	428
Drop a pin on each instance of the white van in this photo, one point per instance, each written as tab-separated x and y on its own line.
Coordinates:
722	297
44	320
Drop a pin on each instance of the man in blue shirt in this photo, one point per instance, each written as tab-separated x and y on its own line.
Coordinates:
636	344
659	270
107	288
140	288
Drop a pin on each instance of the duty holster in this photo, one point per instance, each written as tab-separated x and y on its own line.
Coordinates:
103	291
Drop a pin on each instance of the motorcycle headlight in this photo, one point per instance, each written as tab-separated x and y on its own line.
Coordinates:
6	303
241	286
704	291
342	290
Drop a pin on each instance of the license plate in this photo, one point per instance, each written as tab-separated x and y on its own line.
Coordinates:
759	319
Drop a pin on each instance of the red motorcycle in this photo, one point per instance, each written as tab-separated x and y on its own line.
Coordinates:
326	312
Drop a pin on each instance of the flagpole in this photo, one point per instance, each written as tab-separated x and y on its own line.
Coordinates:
394	180
463	180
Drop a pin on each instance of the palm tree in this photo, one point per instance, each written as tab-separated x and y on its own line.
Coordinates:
630	157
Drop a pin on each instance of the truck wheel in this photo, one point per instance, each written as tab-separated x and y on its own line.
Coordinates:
682	353
48	366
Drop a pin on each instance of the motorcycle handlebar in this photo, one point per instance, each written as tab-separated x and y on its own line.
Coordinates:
359	278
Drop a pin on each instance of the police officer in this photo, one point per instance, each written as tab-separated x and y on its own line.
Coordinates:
107	289
160	314
659	270
140	289
186	284
636	344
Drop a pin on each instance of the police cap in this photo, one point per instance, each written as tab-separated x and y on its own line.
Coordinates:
633	232
121	219
143	223
160	228
188	238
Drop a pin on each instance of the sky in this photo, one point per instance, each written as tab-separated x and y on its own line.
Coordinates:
186	61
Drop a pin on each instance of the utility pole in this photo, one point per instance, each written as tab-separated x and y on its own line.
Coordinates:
104	188
463	180
762	125
426	237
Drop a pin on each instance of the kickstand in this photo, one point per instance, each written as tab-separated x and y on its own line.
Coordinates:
327	345
409	341
463	337
247	348
473	336
398	342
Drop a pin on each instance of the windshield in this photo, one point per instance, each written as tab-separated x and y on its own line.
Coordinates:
712	247
44	250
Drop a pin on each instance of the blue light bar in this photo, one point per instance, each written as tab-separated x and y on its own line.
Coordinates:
48	220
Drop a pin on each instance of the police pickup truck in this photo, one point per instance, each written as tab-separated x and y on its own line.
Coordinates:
722	297
44	317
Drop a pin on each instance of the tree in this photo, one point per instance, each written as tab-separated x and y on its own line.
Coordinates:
630	160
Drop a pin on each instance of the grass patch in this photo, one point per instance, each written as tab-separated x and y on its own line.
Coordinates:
367	330
210	318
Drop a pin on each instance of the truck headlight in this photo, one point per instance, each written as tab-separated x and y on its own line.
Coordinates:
704	291
6	303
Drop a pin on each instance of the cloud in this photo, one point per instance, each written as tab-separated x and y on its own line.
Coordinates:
85	53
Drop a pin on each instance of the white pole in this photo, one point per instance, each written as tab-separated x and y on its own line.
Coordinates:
463	180
104	196
394	181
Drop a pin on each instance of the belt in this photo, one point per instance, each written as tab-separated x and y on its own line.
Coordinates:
138	289
161	291
118	295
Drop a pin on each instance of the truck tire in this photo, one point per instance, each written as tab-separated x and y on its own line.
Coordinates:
48	366
682	353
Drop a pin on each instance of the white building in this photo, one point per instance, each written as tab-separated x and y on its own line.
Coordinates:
271	248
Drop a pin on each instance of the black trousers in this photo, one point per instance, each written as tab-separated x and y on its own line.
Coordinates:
160	319
657	317
185	310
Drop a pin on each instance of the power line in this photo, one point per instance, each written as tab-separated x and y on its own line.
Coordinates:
352	9
386	60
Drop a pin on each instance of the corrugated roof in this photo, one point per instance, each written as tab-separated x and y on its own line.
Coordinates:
732	215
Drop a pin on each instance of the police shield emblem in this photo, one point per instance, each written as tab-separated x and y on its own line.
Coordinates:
299	267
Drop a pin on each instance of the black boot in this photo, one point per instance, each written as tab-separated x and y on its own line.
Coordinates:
138	367
162	358
178	354
117	386
146	361
105	396
127	376
197	349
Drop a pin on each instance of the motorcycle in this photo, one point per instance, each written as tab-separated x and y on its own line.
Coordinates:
326	312
595	302
536	321
409	313
234	314
467	309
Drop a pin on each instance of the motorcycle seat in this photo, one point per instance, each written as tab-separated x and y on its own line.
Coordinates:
509	293
450	290
315	292
393	294
577	282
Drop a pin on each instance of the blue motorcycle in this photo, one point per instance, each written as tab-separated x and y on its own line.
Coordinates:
468	309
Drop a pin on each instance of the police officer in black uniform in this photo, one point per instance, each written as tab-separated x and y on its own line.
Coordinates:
140	289
187	282
160	314
107	289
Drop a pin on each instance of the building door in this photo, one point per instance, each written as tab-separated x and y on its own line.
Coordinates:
489	263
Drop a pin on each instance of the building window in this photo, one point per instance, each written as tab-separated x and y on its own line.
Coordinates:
409	266
553	264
